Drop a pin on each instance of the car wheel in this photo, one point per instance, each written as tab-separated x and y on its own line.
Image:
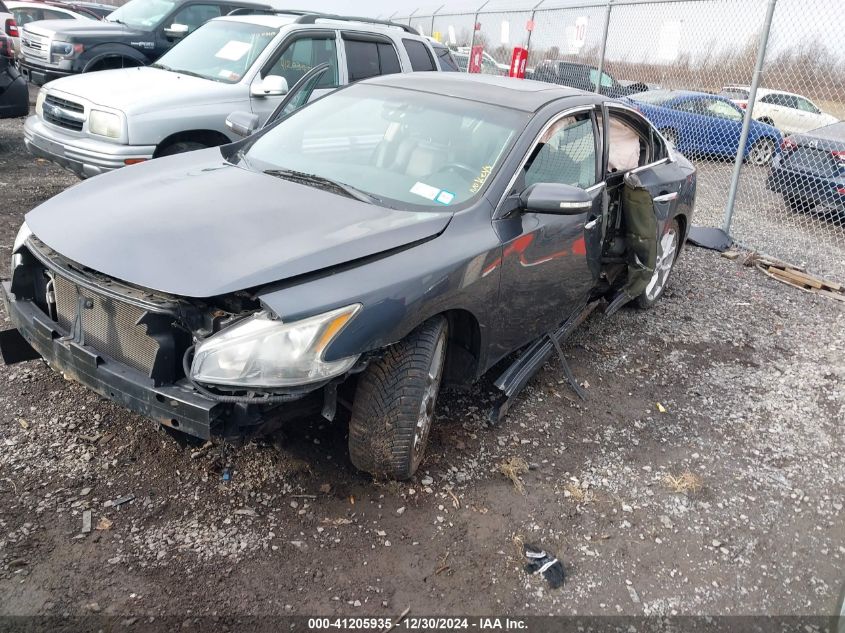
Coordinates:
762	152
394	403
671	136
667	253
180	147
798	205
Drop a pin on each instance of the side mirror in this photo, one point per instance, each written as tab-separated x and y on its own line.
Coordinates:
270	86
242	123
176	31
558	199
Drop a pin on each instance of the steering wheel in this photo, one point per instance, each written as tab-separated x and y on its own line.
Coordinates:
469	171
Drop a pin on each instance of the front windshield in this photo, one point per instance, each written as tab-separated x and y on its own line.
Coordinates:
142	14
409	149
222	50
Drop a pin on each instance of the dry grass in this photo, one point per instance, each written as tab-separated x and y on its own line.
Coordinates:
512	468
576	492
685	483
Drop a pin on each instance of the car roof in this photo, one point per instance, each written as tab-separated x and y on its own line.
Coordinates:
280	18
519	94
832	132
675	94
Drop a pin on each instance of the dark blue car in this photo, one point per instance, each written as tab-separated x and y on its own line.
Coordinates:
810	171
701	124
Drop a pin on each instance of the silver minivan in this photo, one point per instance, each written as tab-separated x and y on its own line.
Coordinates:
96	122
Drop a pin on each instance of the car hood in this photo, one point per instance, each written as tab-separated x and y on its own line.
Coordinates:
144	89
82	30
194	225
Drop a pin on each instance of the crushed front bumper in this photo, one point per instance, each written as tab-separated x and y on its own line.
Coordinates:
84	156
178	406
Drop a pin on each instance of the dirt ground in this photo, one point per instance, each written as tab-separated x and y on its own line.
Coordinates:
702	475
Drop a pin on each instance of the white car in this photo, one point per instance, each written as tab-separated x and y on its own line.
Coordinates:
92	123
788	112
9	27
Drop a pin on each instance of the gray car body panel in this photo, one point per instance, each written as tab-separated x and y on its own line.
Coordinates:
136	226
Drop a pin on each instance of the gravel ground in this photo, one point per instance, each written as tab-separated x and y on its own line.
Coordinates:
702	475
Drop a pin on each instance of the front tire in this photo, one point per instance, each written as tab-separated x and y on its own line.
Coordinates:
394	403
667	252
180	147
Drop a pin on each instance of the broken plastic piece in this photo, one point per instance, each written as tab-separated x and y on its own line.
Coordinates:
708	237
543	562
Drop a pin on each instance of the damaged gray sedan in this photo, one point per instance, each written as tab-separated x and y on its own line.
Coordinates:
399	233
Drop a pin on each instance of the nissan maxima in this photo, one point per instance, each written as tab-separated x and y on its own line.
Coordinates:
399	233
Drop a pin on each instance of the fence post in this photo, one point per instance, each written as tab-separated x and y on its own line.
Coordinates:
749	112
472	38
603	45
531	19
431	31
410	17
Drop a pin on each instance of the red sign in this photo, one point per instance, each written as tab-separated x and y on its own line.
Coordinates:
475	59
478	26
518	61
529	26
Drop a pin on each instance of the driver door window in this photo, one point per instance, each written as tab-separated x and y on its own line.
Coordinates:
306	53
195	15
806	106
565	154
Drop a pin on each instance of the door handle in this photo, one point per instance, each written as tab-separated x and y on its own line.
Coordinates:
668	197
591	224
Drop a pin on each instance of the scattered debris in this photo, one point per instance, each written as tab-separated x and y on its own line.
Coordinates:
103	524
541	562
398	620
338	521
119	501
512	468
686	482
326	488
400	511
442	566
455	501
246	512
86	521
24	424
798	278
661	408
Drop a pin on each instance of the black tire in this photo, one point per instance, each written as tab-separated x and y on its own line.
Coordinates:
395	395
663	267
180	147
798	205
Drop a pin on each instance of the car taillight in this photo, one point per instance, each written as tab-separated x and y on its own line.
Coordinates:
12	28
839	155
6	49
787	145
742	105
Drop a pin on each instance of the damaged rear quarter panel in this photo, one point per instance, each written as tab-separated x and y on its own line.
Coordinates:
402	290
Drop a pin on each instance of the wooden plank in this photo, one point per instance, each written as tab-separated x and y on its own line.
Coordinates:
798	277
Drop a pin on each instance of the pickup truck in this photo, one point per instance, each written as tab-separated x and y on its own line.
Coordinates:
136	34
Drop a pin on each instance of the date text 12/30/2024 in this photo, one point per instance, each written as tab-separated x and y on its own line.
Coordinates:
417	624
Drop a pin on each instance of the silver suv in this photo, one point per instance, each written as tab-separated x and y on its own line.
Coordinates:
96	122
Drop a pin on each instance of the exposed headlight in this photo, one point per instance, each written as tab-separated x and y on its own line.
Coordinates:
23	236
39	103
65	50
104	124
264	352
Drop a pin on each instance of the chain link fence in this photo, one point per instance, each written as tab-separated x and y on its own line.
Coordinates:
774	178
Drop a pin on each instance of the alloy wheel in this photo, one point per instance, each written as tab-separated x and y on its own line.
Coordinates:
432	386
666	250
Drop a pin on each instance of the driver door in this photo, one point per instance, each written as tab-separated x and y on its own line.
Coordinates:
546	272
297	55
